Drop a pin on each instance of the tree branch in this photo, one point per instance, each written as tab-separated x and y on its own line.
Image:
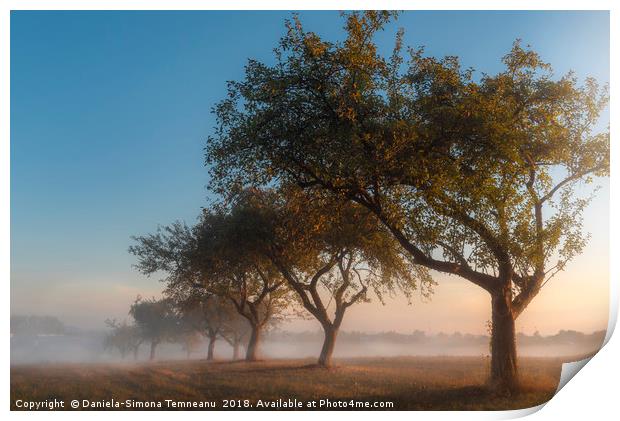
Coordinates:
573	177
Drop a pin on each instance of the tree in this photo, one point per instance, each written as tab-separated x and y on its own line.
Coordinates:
190	341
156	320
124	337
210	315
230	266
331	254
204	313
236	332
473	177
215	257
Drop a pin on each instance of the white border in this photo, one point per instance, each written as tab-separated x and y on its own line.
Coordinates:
307	5
592	394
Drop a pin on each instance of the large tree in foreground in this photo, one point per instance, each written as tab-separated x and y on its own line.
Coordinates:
474	177
332	254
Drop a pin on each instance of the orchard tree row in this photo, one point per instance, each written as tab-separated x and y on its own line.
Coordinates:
343	174
183	319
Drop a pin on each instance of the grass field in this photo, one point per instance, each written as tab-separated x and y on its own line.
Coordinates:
411	383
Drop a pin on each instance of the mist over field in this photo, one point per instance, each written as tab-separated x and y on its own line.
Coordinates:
49	341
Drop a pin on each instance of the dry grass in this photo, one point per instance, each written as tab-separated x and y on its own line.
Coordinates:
412	383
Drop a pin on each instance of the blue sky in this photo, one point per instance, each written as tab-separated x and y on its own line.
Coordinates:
110	111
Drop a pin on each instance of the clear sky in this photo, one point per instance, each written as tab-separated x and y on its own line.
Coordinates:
110	112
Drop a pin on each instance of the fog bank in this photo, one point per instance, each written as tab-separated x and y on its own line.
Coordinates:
87	346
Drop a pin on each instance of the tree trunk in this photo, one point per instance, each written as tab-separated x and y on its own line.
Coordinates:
252	351
153	347
235	350
211	349
325	359
503	344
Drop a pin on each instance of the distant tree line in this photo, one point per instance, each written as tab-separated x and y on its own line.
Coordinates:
36	325
563	337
